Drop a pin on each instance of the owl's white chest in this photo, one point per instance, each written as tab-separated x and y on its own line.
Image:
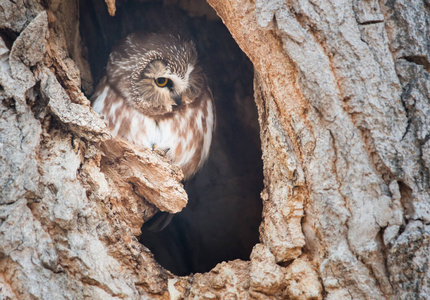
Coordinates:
156	134
163	135
185	136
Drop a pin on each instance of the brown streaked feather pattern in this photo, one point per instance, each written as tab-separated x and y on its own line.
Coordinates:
144	114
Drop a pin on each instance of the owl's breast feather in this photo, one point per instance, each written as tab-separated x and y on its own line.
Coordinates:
187	133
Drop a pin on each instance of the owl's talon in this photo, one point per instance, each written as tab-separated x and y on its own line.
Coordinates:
162	152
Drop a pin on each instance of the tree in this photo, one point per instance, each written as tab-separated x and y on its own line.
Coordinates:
342	92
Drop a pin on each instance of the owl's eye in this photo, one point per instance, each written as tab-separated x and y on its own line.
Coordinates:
161	81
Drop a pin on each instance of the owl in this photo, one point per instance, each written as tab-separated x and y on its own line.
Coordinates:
155	95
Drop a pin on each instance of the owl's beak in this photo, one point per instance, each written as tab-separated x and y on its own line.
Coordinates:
177	99
170	104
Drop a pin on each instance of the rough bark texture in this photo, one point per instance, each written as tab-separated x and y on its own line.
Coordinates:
342	92
343	97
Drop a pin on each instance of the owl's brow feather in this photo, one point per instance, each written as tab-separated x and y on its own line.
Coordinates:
144	61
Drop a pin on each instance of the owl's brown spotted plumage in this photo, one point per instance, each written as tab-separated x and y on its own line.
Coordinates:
155	95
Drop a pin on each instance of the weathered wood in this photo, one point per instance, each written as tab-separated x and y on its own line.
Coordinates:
150	176
338	123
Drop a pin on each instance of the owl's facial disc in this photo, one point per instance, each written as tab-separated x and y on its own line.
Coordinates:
180	83
154	91
160	89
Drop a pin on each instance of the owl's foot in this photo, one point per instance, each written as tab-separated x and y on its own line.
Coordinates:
159	151
162	152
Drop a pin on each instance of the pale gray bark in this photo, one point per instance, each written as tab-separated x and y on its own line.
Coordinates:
343	95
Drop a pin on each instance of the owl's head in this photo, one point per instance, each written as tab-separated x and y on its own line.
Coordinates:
156	73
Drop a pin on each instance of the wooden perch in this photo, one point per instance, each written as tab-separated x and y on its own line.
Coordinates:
150	175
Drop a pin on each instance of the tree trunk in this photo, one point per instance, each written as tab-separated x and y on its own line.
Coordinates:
343	98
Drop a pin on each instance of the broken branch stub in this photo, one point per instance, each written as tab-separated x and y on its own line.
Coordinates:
151	176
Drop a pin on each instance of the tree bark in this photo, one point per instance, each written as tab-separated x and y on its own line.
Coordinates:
343	97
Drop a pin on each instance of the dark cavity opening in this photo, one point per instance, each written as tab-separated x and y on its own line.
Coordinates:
222	218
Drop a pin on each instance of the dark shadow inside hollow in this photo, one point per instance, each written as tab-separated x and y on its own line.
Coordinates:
222	218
